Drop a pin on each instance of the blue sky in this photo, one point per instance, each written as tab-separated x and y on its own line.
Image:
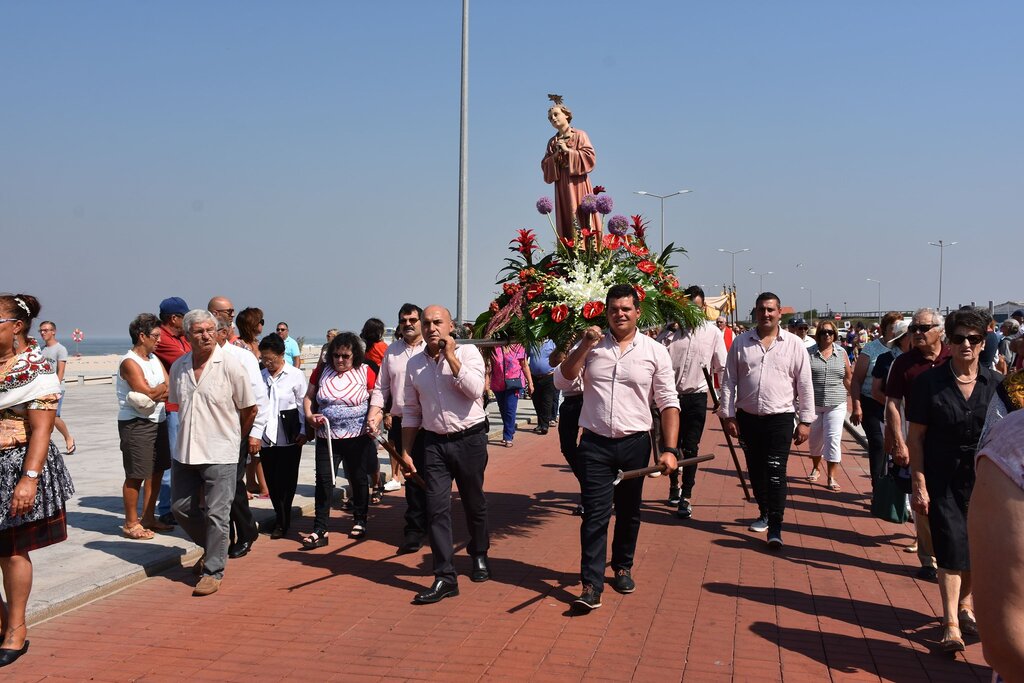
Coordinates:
303	157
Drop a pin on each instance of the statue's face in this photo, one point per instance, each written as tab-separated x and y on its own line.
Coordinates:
558	118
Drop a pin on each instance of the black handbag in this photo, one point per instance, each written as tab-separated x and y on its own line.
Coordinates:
289	420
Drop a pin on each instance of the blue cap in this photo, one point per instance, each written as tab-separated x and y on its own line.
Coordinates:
797	322
173	305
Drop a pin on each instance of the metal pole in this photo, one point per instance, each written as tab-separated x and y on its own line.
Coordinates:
941	250
662	223
463	258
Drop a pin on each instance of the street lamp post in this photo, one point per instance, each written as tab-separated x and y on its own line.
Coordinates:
810	300
942	247
733	255
662	198
760	275
879	283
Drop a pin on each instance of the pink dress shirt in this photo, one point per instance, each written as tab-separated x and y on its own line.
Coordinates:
768	382
618	388
439	402
391	381
691	352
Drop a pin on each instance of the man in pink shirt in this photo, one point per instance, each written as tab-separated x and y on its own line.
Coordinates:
621	372
692	351
443	394
390	392
767	373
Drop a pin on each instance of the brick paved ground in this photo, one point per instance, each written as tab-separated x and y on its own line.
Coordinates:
839	603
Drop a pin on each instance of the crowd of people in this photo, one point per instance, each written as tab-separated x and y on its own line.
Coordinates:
211	412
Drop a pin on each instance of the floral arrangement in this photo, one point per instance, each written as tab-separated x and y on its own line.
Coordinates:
559	294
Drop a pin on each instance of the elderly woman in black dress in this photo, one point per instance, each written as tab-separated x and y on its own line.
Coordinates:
946	417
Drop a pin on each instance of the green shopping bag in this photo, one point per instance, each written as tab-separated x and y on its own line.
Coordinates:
889	501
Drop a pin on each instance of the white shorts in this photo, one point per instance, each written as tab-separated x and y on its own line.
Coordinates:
827	433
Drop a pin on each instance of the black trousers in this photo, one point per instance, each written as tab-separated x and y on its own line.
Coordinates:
767	440
569	432
281	468
543	396
601	459
693	413
355	454
415	497
242	524
461	459
872	421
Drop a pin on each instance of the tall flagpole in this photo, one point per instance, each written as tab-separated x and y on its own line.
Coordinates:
462	287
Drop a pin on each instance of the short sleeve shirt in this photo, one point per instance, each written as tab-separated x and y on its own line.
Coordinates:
906	369
291	350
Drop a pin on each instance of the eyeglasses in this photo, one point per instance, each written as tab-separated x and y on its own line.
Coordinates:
229	311
342	356
262	322
282	329
921	328
803	327
9	320
822	333
408	321
959	339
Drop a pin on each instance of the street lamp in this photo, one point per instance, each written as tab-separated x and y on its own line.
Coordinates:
810	300
879	283
662	198
733	254
760	275
942	247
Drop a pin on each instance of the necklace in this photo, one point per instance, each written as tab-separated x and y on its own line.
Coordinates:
969	380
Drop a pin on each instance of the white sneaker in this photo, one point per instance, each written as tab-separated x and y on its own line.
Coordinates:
392	485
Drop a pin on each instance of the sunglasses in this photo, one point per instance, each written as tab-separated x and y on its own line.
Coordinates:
282	329
262	322
920	328
830	333
974	339
229	311
342	356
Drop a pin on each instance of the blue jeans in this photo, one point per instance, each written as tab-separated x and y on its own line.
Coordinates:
163	501
508	403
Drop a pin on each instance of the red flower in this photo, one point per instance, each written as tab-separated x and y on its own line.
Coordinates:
639	226
640	292
534	290
568	243
526	273
612	241
526	242
637	250
537	311
495	307
592	309
559	313
674	281
510	288
599	189
586	233
646	267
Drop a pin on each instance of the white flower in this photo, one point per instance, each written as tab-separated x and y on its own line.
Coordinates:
581	285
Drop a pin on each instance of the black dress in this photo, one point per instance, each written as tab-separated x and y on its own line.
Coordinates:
954	427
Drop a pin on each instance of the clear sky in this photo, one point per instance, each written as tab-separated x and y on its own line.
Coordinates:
303	157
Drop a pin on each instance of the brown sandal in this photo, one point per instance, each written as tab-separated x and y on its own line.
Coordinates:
137	532
951	643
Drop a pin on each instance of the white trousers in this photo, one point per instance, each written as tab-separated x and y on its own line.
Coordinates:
827	433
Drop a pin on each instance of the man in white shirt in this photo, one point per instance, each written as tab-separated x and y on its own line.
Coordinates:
243	529
216	407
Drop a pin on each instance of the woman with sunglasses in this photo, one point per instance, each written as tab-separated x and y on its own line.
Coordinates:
342	390
946	416
830	376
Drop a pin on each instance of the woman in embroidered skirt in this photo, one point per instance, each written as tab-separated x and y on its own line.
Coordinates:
34	483
341	389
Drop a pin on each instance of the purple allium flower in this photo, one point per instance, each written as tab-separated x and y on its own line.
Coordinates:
604	204
618	225
588	204
545	205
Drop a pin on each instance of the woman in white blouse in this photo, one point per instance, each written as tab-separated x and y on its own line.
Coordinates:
285	431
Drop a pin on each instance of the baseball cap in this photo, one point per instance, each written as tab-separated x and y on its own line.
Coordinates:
899	330
797	322
173	305
1019	312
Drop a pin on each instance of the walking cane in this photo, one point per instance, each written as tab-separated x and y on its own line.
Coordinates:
728	439
657	470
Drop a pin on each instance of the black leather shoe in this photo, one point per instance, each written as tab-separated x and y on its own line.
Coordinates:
10	655
685	510
167	518
438	592
588	601
927	574
240	549
481	570
623	582
411	544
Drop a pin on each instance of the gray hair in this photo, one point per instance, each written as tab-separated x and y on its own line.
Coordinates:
936	316
197	315
1011	325
224	325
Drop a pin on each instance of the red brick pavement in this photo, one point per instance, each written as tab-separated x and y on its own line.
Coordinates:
839	603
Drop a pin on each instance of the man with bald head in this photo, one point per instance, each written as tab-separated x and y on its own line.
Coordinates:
223	309
443	395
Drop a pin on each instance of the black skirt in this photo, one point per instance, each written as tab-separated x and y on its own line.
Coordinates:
947	517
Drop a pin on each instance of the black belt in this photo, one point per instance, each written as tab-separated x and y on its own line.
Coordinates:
575	398
478	428
606	439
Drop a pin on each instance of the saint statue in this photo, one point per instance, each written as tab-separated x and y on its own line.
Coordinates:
567	161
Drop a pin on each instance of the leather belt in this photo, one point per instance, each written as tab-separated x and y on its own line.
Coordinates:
478	428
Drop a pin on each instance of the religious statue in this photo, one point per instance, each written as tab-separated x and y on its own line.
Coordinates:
567	161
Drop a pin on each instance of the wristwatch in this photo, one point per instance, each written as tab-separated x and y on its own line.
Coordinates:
31	474
669	449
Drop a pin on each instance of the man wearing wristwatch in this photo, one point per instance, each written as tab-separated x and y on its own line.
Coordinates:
767	382
621	372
